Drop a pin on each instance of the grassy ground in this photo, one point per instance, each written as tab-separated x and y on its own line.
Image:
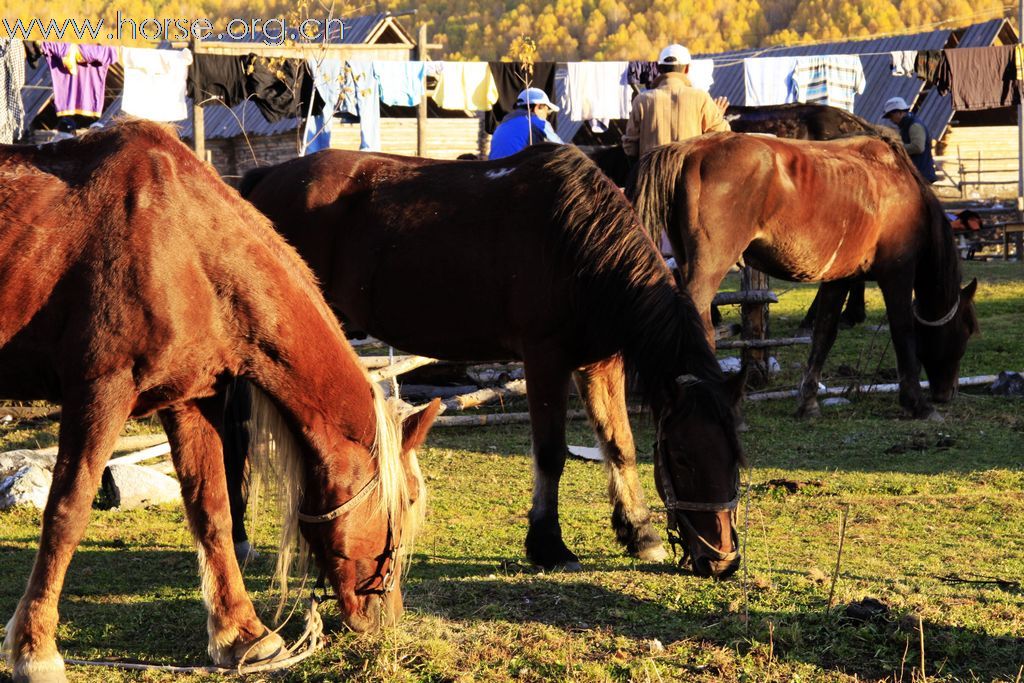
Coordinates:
935	518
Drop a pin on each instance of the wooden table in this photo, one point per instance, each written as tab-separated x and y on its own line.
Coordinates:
1016	230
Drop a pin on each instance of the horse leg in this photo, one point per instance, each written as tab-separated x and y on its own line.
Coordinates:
547	393
897	295
91	419
237	439
826	326
602	387
233	627
855	311
812	311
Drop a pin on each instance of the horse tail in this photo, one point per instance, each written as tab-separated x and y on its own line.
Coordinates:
653	185
252	178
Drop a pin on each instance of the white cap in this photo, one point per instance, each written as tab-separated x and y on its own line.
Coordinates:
532	96
895	104
674	54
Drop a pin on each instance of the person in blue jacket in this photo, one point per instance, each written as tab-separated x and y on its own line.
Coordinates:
917	140
525	125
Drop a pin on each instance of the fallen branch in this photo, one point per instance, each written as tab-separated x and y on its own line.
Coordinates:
400	368
484	396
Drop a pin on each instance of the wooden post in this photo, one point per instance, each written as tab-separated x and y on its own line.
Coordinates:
421	112
198	124
755	326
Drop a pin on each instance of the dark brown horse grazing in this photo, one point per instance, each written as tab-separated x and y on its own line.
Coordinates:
538	257
133	280
818	211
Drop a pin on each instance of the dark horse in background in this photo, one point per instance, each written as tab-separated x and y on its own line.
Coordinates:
537	257
133	280
832	212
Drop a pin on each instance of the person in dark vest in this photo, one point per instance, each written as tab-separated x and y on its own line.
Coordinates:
525	125
916	138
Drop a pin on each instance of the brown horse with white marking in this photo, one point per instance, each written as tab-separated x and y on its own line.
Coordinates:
132	280
830	212
538	257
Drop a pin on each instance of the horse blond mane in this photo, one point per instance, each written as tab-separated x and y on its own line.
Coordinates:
277	470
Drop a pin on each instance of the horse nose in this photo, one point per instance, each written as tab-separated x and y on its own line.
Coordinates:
706	567
367	620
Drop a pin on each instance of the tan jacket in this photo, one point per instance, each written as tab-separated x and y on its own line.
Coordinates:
671	112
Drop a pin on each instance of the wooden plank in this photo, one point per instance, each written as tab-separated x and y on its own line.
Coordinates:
752	296
763	343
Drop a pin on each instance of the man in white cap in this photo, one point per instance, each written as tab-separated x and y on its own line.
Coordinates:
525	125
673	110
916	138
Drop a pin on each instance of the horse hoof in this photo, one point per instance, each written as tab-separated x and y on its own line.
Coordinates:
569	567
267	649
654	553
244	553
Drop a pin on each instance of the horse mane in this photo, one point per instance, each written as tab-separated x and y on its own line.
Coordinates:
652	187
620	276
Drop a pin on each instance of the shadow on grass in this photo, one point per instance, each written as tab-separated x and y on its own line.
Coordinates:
824	639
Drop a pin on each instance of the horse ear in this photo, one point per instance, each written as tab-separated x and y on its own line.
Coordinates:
416	426
970	290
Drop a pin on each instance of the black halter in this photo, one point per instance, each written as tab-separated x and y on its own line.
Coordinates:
385	567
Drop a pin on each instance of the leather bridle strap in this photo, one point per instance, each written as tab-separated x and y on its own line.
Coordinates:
347	506
941	321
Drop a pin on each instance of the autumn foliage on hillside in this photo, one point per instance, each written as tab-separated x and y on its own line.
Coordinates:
581	29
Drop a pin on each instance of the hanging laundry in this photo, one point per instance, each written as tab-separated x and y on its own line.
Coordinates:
768	81
401	83
564	126
597	90
833	80
360	96
983	77
931	66
466	85
903	62
280	88
511	79
317	134
216	77
154	83
12	79
642	73
79	75
701	74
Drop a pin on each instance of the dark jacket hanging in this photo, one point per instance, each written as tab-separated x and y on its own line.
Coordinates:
511	80
216	77
280	88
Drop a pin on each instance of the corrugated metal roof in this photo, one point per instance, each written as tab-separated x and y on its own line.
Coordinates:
38	90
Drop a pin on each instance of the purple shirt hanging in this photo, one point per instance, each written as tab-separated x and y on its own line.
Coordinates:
79	74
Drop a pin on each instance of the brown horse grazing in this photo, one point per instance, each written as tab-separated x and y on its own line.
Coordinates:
536	257
818	211
802	121
133	280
